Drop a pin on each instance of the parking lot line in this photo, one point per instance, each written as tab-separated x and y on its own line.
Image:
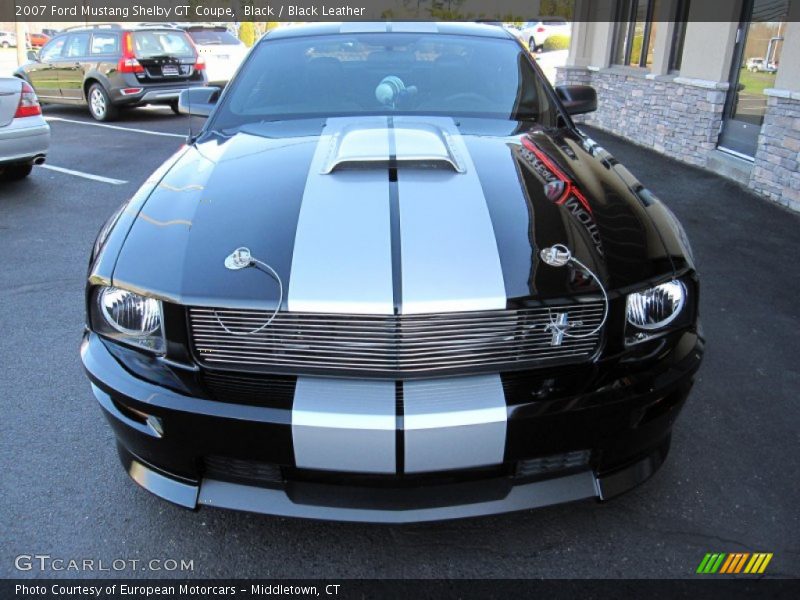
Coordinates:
131	129
85	175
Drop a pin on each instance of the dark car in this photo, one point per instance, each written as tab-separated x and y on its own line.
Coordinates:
391	281
111	67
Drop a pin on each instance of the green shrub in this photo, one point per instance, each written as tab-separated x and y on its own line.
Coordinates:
636	50
247	33
557	8
556	42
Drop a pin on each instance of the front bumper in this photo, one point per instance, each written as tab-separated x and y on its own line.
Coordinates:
569	436
24	140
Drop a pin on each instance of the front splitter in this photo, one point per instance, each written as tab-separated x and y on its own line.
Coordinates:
274	501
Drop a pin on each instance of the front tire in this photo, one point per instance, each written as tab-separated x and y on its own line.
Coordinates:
100	106
532	45
6	45
15	172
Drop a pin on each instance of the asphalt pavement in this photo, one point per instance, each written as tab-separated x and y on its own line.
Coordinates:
729	484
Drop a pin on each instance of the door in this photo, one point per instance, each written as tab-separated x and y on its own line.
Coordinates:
756	60
42	73
69	67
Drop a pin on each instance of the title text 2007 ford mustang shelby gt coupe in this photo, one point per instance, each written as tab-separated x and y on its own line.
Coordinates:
391	281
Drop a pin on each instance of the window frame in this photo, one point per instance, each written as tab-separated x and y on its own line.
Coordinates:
117	44
76	35
678	36
629	22
53	42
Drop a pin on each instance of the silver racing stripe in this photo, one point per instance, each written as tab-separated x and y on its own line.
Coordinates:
344	425
449	256
342	259
350	425
343	263
454	423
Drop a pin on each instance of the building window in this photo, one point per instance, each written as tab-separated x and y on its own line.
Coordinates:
635	36
679	35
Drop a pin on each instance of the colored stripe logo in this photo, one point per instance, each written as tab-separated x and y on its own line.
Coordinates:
733	563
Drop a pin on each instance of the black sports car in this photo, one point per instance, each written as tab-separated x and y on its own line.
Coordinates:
391	281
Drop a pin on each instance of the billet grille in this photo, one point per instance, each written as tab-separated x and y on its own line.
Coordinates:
390	344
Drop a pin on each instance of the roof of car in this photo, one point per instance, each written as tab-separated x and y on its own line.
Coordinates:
118	27
452	28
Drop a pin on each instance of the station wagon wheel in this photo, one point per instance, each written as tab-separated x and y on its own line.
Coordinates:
6	45
532	45
100	105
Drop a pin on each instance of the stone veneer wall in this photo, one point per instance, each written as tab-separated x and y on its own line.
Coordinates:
682	118
672	116
776	173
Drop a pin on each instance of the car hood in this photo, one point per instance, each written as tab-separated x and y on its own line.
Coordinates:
386	215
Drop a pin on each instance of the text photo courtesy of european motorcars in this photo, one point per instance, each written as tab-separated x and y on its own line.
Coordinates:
447	302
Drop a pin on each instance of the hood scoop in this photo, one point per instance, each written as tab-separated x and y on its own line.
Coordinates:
420	146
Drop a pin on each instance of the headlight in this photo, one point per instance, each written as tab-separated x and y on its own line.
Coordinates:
654	309
129	317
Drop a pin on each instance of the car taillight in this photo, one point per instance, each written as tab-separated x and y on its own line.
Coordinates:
28	103
129	65
200	62
540	29
128	62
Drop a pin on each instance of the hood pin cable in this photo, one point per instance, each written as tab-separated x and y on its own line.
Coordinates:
241	259
559	256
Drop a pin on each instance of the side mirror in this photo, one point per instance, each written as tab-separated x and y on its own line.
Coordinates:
578	99
33	56
198	101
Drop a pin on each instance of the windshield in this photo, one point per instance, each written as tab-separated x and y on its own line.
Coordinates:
385	73
148	44
211	37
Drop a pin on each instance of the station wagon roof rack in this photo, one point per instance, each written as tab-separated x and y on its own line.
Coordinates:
197	26
167	25
94	26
